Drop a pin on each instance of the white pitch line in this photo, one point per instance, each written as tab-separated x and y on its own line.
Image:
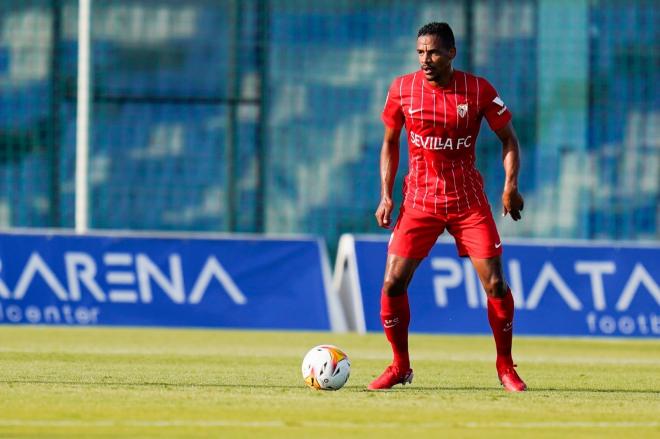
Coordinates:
128	423
364	355
71	423
557	424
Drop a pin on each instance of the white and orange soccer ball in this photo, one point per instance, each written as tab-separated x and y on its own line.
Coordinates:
326	367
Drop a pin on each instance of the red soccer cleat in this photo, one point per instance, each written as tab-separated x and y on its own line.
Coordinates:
510	379
390	378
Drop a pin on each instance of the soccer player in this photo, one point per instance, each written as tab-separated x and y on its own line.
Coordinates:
442	109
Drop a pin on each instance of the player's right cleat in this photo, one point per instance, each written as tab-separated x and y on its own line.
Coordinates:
390	378
510	379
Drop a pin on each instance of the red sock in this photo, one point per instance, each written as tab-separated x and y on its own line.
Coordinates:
500	317
395	317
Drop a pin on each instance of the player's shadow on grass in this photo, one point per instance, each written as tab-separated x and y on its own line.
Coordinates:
148	384
357	388
529	389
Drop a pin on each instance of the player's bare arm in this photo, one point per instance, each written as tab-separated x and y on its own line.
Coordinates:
389	163
512	201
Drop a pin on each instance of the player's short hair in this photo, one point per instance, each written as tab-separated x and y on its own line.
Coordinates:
440	30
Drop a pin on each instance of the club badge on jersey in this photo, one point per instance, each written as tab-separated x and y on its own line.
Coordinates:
462	109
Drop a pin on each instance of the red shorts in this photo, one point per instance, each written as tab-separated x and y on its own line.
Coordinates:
474	230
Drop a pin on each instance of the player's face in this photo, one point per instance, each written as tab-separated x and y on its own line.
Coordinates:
434	58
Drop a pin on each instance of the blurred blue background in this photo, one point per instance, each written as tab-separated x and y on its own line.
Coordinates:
264	115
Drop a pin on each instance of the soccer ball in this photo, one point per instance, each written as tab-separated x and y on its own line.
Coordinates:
326	367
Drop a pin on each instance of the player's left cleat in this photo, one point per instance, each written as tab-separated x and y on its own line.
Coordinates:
390	378
510	379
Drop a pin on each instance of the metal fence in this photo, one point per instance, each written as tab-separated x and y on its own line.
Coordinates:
263	115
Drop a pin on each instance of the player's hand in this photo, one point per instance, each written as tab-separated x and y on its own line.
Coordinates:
512	203
384	213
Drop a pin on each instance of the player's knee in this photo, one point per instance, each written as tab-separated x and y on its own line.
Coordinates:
394	286
495	287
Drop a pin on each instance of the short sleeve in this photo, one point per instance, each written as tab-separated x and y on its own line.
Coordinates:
392	113
493	108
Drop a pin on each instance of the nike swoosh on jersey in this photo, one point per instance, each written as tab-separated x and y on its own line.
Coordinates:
411	111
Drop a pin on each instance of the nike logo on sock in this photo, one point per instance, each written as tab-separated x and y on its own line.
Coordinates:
391	323
498	245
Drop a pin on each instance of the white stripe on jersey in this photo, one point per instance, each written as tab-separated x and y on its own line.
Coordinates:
477	81
435	192
416	182
458	205
464	191
426	185
426	165
481	186
444	186
433	109
456	99
472	184
412	84
444	104
467	114
483	190
421	104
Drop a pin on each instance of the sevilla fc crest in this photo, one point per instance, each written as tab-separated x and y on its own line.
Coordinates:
462	109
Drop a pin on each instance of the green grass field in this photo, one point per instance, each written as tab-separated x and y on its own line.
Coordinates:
74	382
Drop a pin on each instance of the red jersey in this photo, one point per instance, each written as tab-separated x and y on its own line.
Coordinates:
442	124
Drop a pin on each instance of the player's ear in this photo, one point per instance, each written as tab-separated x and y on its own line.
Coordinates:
452	53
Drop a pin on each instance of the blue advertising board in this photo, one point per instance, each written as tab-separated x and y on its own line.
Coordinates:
164	281
559	289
